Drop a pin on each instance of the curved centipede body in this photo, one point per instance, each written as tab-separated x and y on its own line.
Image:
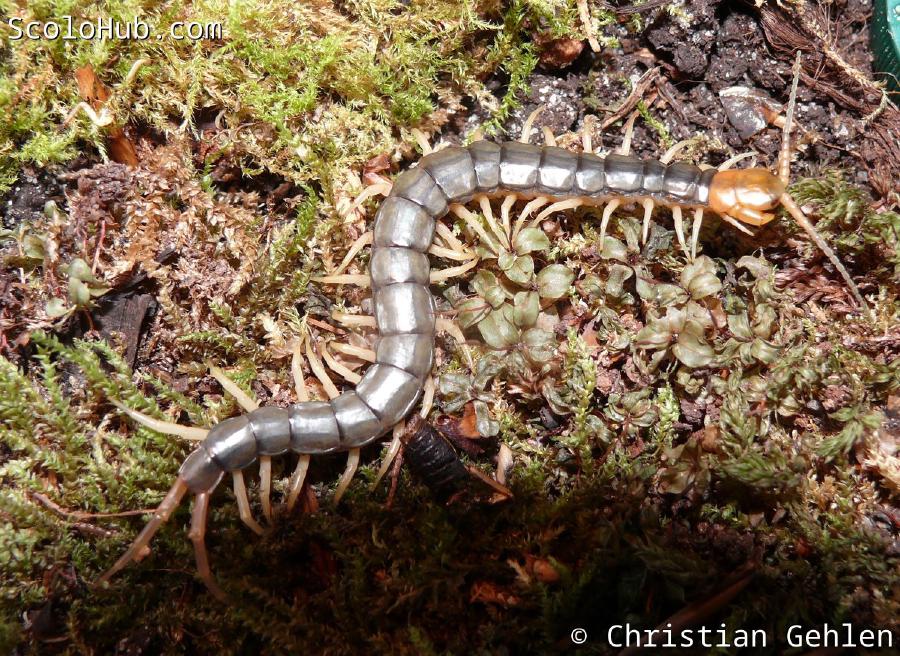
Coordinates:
404	309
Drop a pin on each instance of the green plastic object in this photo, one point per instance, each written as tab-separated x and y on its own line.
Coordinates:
886	41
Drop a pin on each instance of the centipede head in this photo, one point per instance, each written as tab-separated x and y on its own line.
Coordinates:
746	194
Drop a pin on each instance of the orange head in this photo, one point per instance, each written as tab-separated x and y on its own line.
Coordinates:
746	194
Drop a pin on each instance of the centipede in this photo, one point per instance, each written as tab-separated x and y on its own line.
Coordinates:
549	178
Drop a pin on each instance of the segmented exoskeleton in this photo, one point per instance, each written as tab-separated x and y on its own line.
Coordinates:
404	309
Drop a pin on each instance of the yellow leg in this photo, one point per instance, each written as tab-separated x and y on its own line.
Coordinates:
358	279
529	122
472	222
359	320
625	148
604	221
166	427
362	241
587	133
316	365
485	203
449	253
265	486
452	272
347	476
447	326
296	483
248	404
243	503
532	205
568	204
378	189
197	535
422	140
508	202
368	355
389	455
695	231
338	368
549	137
648	210
679	227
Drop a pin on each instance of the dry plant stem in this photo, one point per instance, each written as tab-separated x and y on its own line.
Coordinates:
798	215
140	547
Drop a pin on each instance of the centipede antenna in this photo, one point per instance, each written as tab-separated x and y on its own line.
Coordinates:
141	545
794	210
784	157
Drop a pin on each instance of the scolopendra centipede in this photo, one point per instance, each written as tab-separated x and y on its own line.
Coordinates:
405	317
